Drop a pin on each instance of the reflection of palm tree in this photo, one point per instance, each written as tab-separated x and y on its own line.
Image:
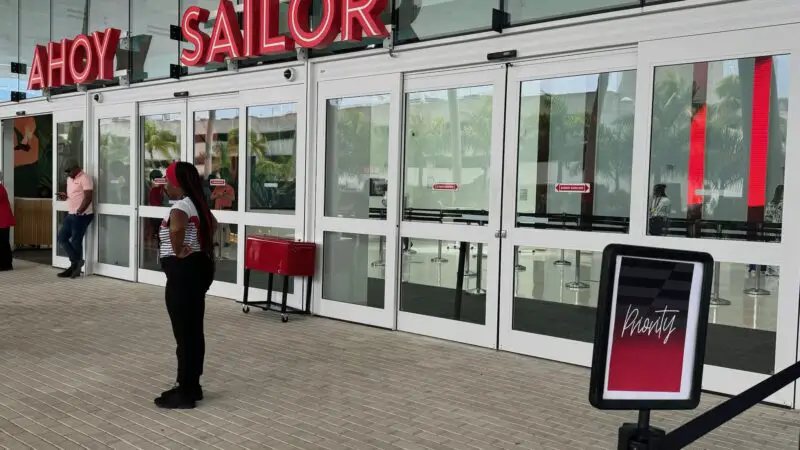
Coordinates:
160	142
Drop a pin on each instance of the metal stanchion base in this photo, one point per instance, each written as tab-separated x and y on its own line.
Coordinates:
577	285
439	260
477	291
521	268
379	264
410	252
716	301
562	262
757	291
470	274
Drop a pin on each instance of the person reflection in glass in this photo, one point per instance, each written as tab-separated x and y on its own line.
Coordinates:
659	210
773	214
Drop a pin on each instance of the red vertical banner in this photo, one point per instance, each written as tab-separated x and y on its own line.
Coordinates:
697	140
759	141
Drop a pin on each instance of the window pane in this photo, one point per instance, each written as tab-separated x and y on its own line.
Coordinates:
9	48
260	280
555	292
575	147
114	161
211	6
216	155
70	146
441	291
68	19
718	149
348	275
356	156
108	14
152	49
271	150
60	216
225	245
447	165
113	236
31	17
422	20
149	244
522	11
743	317
338	46
161	145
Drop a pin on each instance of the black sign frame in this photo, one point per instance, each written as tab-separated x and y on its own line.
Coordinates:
603	321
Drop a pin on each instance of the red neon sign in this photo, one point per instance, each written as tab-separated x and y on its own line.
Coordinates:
74	61
353	19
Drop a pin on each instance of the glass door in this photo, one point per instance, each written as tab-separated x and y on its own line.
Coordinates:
68	144
567	194
452	172
213	147
357	198
273	172
114	193
162	133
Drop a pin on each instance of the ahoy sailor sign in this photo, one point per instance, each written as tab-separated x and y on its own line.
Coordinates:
258	34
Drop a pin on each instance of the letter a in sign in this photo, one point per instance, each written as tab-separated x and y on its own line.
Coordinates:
226	40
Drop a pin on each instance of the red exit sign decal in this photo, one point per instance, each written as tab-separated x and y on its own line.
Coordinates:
580	188
260	35
445	186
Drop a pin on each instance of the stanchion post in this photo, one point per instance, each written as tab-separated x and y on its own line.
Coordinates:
577	283
562	261
479	273
439	258
758	290
381	260
716	300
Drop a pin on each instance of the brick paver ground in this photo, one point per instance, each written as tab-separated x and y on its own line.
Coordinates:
81	372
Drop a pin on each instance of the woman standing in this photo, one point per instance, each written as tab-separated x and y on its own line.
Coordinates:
659	210
6	222
186	252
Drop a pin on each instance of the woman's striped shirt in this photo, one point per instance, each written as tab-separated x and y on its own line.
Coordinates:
191	238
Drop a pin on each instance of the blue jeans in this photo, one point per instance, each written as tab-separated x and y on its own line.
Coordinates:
70	236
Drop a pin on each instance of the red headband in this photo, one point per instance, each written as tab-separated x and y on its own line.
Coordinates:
172	177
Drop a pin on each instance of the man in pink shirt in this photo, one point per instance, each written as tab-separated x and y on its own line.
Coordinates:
79	195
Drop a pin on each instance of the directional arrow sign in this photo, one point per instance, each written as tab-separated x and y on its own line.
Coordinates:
579	188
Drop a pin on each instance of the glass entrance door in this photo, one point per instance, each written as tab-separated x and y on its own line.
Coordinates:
162	134
567	194
213	147
452	172
68	144
114	192
356	202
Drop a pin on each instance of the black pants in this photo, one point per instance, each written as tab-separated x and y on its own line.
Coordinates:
5	249
188	280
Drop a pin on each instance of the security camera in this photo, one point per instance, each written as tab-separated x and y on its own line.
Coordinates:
98	98
288	74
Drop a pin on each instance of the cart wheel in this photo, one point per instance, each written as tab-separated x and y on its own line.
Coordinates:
245	309
284	318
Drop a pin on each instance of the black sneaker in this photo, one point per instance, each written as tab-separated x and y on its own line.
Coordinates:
76	271
177	399
196	394
67	273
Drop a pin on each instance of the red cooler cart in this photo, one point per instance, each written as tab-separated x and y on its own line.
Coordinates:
278	256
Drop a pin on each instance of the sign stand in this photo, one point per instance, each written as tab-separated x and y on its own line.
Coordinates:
650	335
640	435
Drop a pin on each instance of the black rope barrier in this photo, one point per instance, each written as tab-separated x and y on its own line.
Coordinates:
718	415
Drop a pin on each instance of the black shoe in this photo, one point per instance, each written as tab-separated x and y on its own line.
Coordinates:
178	399
67	273
76	270
196	394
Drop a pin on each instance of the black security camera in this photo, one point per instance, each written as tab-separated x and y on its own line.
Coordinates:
288	74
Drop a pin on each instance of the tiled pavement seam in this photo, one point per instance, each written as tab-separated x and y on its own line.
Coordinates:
82	372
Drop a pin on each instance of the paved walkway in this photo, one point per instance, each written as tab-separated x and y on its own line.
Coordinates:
82	373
